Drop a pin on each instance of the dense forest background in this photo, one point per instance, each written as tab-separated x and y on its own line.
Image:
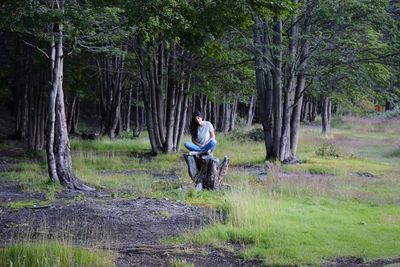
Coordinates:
130	66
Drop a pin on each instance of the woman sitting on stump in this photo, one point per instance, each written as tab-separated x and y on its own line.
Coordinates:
203	135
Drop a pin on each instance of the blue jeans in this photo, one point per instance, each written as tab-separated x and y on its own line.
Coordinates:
210	146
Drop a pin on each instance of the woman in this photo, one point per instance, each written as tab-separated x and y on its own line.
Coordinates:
203	135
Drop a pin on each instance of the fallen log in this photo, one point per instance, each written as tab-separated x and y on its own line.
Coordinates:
206	171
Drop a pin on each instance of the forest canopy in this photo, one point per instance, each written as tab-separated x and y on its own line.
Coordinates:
147	65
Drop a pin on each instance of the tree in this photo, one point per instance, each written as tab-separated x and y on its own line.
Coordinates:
354	58
43	22
280	78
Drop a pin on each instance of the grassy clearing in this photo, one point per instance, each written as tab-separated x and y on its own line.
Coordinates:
342	200
53	253
322	209
287	228
108	145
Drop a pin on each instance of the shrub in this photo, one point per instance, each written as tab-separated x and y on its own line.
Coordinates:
394	113
255	133
327	150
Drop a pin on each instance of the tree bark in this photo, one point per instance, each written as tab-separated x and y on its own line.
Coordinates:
206	171
110	73
277	87
251	110
58	148
301	78
285	146
326	114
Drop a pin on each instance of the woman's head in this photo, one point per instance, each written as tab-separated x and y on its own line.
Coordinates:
197	118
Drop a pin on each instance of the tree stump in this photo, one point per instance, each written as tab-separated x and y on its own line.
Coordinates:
206	170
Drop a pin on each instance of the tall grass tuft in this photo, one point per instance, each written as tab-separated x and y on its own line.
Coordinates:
53	254
290	227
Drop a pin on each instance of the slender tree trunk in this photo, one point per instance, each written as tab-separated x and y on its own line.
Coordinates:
301	78
58	148
72	115
264	83
128	109
21	96
326	114
285	151
171	102
147	97
277	86
110	73
234	113
51	117
251	111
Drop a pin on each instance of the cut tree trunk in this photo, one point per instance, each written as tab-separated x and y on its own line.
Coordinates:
206	171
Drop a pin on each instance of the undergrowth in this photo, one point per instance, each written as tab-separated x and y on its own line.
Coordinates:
53	254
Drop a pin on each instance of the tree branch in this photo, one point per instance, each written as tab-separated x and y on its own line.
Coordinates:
37	48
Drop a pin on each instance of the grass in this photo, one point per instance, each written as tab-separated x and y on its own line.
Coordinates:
287	229
52	253
16	205
319	210
342	200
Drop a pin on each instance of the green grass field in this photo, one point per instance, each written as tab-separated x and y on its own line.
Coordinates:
342	200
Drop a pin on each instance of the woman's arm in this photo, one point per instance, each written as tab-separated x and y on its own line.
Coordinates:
196	143
212	135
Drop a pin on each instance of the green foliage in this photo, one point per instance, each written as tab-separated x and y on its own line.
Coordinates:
328	150
22	204
395	153
246	134
389	114
46	254
176	262
353	63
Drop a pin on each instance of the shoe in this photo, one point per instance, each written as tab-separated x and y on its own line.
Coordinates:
193	153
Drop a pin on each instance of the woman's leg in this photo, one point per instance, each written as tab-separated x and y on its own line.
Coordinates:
192	147
210	146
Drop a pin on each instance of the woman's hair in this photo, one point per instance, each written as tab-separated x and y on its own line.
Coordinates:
194	125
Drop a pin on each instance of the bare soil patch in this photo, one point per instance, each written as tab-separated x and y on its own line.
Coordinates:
133	228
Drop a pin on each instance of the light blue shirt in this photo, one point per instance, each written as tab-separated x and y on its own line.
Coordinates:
203	132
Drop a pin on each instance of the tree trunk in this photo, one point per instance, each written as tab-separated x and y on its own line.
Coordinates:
128	110
285	146
147	97
58	148
264	83
326	114
206	171
234	113
21	96
72	115
171	102
251	111
277	87
110	73
301	79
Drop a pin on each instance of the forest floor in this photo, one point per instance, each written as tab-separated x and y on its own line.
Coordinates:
134	228
138	225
